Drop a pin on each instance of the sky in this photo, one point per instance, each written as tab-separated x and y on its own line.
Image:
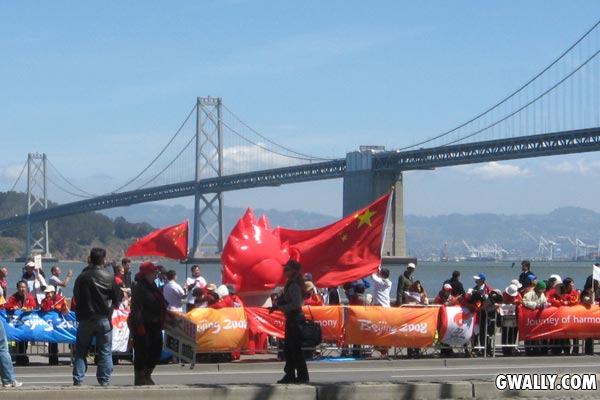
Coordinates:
100	87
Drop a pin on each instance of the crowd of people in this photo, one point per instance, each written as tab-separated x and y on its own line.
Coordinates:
154	290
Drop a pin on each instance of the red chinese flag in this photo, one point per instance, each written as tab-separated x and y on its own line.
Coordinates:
344	251
171	242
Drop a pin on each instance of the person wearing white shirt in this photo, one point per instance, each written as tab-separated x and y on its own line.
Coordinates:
173	292
194	281
36	284
382	287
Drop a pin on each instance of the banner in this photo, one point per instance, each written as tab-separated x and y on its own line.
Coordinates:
392	327
39	326
53	327
330	318
456	325
261	321
575	322
120	332
222	329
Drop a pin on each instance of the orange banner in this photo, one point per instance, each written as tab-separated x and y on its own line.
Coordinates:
574	322
223	329
330	318
394	327
261	321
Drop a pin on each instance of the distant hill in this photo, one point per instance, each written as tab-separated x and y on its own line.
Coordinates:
428	237
160	215
519	235
70	238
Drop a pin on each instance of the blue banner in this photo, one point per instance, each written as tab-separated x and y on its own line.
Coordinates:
39	326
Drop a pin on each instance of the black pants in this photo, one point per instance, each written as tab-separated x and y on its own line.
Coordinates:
147	348
295	364
53	353
589	347
22	358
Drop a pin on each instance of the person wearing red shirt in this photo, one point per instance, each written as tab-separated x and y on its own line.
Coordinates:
571	297
21	299
445	296
54	302
24	301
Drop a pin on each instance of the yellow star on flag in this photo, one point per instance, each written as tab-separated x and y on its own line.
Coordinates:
365	218
344	237
177	234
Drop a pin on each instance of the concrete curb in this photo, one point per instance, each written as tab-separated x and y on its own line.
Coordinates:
340	390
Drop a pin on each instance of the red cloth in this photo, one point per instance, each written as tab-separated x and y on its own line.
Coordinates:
344	251
171	242
14	302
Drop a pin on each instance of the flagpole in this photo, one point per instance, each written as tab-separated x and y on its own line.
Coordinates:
385	222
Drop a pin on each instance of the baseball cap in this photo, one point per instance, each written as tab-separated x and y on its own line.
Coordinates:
480	275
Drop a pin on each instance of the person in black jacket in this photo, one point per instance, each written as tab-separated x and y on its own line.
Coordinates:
96	295
146	321
290	302
458	289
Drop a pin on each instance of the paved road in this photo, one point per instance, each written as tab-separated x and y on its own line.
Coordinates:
266	369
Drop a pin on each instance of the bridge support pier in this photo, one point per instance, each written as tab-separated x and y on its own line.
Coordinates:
37	233
363	185
208	223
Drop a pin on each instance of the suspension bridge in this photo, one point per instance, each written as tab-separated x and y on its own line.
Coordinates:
555	112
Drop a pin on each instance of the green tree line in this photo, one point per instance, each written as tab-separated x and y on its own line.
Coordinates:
70	237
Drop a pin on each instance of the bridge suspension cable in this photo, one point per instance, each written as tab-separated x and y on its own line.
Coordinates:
528	104
510	96
169	164
19	177
297	155
15	185
84	194
159	154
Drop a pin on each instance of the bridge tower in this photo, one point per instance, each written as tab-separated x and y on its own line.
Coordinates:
37	232
208	238
363	185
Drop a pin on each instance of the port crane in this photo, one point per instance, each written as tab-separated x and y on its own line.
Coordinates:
486	250
579	244
545	246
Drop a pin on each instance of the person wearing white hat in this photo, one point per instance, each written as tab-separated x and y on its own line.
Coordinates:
516	283
54	302
445	296
36	283
511	299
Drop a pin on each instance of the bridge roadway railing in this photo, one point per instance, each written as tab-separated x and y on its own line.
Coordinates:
576	141
548	144
273	177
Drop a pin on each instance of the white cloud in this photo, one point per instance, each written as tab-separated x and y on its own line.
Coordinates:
495	170
240	159
9	175
578	167
11	171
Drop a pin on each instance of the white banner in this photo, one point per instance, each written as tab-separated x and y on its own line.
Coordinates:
120	332
457	326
